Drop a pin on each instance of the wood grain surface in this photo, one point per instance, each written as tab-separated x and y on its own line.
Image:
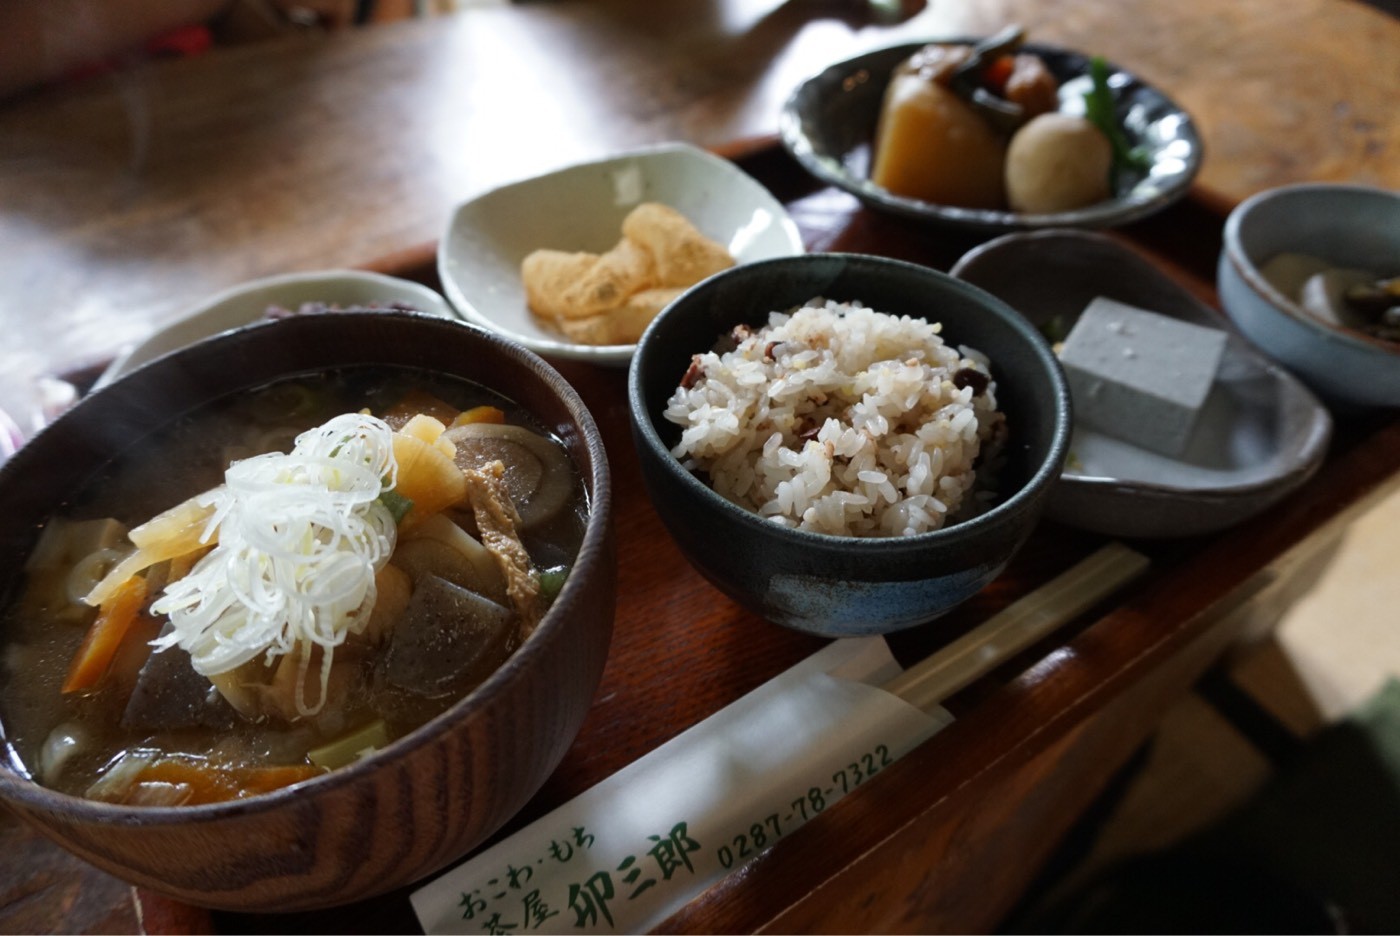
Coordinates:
133	196
370	826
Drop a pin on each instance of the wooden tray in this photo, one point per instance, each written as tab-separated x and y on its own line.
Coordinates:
949	836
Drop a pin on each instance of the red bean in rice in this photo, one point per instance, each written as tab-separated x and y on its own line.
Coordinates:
839	419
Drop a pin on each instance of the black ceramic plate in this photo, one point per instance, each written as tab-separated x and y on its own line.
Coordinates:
828	125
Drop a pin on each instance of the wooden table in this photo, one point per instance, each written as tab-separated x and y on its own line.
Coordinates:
129	199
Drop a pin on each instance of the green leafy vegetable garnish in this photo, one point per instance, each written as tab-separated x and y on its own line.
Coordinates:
398	505
1100	111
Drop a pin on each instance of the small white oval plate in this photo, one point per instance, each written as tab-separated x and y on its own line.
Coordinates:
247	303
581	207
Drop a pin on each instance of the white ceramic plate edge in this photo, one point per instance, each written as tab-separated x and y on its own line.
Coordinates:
218	314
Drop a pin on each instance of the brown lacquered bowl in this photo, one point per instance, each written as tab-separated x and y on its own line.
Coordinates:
431	796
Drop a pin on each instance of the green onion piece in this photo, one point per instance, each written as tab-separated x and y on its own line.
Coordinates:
552	580
398	505
1055	329
1099	110
349	748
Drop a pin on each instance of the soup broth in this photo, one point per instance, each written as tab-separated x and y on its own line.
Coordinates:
482	514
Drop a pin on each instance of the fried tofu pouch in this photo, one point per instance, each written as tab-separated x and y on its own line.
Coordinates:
683	255
614	277
564	286
548	275
611	298
623	325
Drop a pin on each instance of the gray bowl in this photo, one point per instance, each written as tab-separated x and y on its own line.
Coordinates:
1346	225
1263	434
828	125
835	585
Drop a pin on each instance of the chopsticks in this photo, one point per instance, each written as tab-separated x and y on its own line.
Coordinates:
1020	624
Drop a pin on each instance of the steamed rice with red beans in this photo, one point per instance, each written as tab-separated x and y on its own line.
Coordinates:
838	419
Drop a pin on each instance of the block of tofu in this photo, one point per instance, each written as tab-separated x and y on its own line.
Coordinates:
1140	376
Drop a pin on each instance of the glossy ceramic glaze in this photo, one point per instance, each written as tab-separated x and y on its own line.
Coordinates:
1346	225
832	585
1261	434
829	122
427	798
581	208
247	303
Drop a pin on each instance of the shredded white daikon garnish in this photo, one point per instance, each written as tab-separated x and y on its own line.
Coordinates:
300	538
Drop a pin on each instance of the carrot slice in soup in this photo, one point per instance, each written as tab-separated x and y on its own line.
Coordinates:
266	779
114	620
211	783
480	414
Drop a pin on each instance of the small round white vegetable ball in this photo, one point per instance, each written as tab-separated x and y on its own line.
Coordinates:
1057	162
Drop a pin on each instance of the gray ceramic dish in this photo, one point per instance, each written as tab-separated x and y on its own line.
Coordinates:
1345	225
836	585
1262	434
828	125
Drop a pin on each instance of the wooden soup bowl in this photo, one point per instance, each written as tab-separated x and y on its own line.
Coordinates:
427	798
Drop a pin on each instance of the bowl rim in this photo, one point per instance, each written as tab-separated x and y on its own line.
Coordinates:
1259	285
1311	452
34	795
1110	213
616	354
121	365
1045	474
